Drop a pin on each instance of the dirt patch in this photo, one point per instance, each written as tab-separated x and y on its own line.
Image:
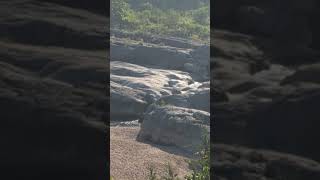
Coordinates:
130	159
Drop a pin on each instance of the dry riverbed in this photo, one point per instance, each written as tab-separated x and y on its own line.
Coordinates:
130	159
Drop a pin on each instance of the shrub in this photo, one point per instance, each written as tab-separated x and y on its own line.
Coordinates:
201	167
152	174
149	19
169	174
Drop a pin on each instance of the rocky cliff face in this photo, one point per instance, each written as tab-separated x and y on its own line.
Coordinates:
165	86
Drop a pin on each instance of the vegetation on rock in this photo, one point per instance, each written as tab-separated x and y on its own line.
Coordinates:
165	18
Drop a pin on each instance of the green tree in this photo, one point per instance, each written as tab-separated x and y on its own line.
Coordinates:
119	9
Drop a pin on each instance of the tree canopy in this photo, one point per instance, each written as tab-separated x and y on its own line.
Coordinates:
180	18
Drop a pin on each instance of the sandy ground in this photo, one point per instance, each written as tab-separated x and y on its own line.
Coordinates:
130	159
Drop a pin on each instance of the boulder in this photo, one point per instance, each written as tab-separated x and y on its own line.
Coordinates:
156	39
170	125
133	87
199	99
126	103
155	56
195	61
154	81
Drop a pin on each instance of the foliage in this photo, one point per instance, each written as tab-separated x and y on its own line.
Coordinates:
152	174
169	175
174	4
201	167
149	17
122	16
